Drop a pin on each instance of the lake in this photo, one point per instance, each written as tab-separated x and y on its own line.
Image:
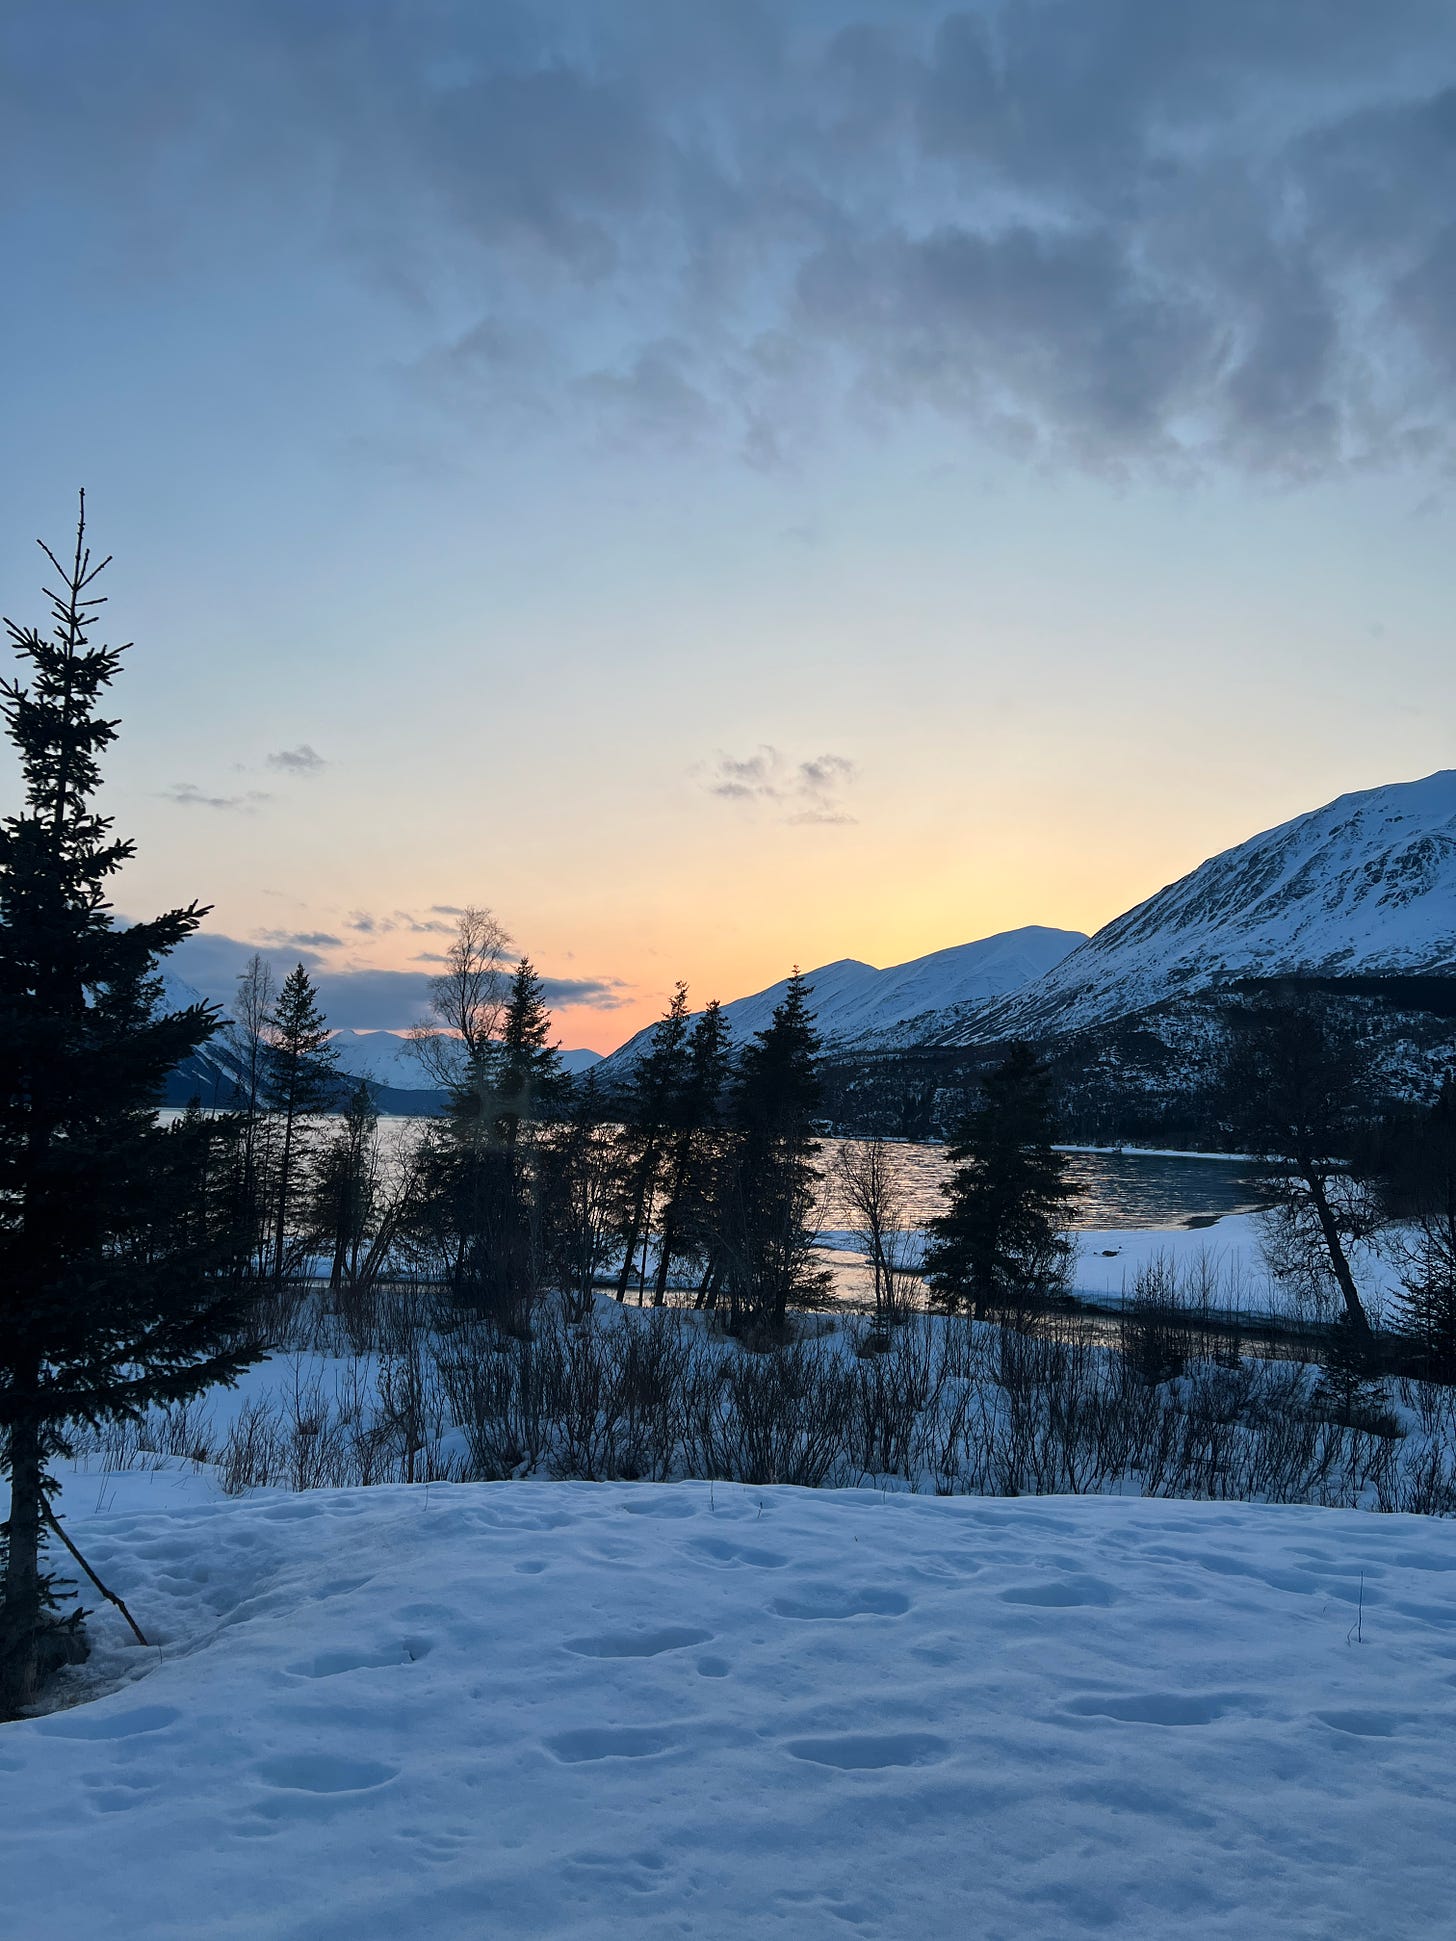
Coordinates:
1113	1189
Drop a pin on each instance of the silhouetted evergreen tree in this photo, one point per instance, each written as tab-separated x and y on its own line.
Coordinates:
1424	1192
580	1184
117	1290
769	1204
528	1078
481	1194
694	1159
344	1181
247	1031
648	1112
299	1083
1000	1240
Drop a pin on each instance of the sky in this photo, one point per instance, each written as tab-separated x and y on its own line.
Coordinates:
728	485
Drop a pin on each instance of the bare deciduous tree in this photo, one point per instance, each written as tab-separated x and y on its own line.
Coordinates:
467	999
864	1180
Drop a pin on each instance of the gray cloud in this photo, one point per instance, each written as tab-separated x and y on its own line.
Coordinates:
801	792
358	999
597	993
370	923
302	760
310	940
1120	234
187	795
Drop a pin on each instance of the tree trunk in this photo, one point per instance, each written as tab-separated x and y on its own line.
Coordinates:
634	1229
285	1168
20	1608
1339	1264
664	1260
681	1163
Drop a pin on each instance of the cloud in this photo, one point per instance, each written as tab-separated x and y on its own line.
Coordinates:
370	923
303	939
359	999
187	795
212	961
754	778
1130	236
302	760
592	993
803	792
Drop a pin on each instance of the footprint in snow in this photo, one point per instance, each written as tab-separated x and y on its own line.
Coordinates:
868	1751
108	1725
1362	1725
1158	1708
324	1772
728	1555
1061	1592
330	1664
590	1742
829	1601
638	1644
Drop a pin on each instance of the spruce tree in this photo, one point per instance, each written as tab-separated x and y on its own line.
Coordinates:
691	1169
528	1065
1423	1197
247	1033
648	1111
345	1184
1000	1240
580	1187
115	1293
478	1192
299	1083
770	1206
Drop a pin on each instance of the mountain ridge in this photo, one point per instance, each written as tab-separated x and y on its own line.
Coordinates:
1364	884
852	999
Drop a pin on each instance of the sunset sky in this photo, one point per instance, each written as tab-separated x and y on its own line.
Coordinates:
729	484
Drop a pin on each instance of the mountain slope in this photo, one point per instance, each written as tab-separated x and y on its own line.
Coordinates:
388	1058
1365	885
399	1082
852	1000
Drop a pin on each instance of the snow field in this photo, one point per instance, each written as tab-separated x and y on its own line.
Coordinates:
529	1709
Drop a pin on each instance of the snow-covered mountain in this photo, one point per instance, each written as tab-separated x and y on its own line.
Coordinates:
385	1058
852	1000
389	1059
1363	886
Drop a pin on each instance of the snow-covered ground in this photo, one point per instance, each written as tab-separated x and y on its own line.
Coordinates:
528	1709
1227	1257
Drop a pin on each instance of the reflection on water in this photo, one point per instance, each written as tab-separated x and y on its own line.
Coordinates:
1113	1189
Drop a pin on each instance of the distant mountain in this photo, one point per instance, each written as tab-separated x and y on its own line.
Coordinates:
1365	886
389	1058
398	1080
852	1001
